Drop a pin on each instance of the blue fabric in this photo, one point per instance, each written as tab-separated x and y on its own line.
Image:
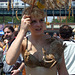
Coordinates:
9	68
10	74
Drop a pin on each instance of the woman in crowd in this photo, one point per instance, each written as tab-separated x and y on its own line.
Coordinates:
42	55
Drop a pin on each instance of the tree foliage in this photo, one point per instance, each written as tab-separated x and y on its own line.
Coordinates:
68	20
6	19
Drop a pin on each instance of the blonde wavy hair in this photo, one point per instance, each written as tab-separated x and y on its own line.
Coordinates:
34	12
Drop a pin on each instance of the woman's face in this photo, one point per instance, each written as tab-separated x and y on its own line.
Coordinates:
37	26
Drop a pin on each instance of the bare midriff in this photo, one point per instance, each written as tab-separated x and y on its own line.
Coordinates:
41	71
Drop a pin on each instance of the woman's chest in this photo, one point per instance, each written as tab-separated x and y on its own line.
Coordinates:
37	50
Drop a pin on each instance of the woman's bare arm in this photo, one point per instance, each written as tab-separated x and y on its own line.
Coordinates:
14	50
62	68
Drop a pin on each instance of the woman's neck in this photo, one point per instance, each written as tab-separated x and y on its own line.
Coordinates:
37	37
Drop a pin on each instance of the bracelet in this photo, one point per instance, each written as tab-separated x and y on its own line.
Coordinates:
19	69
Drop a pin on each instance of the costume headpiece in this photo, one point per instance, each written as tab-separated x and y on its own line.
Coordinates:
48	4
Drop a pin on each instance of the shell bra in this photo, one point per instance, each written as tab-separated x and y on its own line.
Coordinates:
50	57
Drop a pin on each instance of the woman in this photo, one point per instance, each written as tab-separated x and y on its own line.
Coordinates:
37	49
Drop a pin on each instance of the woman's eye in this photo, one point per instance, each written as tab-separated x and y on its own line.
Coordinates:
41	20
34	21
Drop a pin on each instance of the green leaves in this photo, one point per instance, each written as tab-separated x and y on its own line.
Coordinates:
6	19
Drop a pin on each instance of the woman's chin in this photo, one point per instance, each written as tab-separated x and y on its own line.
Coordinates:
39	33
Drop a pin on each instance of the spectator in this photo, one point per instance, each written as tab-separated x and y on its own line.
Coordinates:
54	34
15	69
48	34
69	53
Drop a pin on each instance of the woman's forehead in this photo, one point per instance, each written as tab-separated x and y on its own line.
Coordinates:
36	18
37	14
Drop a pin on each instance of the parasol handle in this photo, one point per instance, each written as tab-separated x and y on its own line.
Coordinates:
33	4
17	16
8	5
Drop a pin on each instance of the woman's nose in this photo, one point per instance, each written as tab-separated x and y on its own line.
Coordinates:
38	23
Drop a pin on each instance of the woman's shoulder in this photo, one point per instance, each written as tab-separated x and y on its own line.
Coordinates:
56	47
52	39
25	39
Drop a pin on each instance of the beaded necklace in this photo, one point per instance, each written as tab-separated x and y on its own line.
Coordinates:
5	50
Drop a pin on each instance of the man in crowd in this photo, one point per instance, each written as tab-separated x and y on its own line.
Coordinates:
69	53
15	69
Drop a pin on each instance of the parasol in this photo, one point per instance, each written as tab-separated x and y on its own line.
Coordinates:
48	4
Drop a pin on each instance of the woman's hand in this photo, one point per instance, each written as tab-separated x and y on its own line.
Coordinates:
25	22
15	72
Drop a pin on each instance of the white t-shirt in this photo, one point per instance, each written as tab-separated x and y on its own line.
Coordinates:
69	55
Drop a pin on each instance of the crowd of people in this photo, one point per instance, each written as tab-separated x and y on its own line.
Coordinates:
38	53
8	38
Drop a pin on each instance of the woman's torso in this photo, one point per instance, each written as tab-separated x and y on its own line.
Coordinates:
40	71
34	49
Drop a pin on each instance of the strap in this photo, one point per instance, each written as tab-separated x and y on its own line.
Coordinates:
25	47
26	42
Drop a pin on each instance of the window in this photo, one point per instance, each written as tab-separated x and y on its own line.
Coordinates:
16	3
2	3
22	3
6	3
